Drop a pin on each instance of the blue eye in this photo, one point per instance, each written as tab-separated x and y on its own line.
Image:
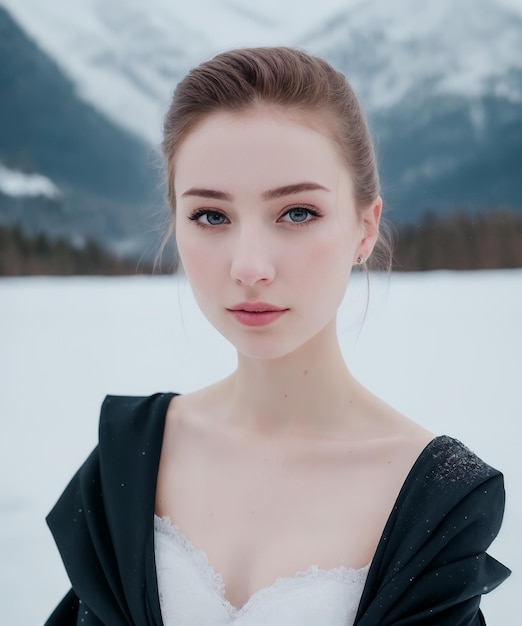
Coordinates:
214	219
299	215
206	217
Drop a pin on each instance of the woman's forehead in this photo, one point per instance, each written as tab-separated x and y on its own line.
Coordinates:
263	113
256	145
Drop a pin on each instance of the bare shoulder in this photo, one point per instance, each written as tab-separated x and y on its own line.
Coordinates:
192	426
381	422
197	409
384	447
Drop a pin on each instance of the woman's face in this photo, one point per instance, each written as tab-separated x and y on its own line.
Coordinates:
267	228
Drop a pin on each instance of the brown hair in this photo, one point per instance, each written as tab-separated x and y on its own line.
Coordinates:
240	79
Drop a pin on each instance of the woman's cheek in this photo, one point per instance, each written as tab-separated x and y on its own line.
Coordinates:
333	252
194	257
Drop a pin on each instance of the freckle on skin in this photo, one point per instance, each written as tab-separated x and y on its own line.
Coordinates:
305	372
285	396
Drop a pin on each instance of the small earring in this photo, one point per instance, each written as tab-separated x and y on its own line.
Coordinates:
360	260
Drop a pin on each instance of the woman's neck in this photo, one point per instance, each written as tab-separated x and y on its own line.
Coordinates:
303	393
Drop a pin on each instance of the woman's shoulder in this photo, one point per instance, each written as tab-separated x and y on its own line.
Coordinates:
132	427
448	481
447	460
432	551
123	413
434	462
119	406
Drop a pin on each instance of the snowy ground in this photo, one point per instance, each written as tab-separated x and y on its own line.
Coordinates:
445	348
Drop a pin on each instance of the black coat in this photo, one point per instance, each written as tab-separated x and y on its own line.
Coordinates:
430	567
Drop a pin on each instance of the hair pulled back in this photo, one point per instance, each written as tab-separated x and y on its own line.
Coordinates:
240	79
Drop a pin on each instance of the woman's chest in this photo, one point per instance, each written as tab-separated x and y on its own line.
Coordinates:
260	513
191	591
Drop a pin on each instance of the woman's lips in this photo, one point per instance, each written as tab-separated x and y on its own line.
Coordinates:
256	313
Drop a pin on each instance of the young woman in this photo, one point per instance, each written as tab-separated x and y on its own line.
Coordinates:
285	493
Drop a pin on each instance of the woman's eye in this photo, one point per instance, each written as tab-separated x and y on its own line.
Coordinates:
208	218
299	214
214	219
295	215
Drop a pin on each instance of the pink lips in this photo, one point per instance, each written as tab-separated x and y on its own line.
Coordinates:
256	313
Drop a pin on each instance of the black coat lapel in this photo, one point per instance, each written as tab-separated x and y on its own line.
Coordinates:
103	522
430	567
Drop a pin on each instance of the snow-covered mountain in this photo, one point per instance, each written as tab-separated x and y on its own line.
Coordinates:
65	168
392	51
442	82
125	56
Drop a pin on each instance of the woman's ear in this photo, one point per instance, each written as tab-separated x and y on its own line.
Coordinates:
370	218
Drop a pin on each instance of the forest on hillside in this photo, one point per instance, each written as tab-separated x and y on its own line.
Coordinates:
461	241
39	255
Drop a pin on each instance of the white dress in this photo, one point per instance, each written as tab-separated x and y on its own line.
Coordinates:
192	593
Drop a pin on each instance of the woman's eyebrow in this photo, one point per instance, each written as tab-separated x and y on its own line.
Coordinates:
214	194
288	190
271	194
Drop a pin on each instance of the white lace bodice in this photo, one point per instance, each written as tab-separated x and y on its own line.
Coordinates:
192	593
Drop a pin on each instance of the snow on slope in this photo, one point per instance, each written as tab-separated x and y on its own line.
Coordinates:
393	50
126	55
442	347
18	184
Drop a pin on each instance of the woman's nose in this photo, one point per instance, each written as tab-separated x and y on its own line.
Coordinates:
252	259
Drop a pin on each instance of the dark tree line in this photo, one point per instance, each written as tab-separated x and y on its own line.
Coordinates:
24	255
460	241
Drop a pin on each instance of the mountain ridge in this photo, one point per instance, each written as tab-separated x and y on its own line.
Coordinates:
438	147
103	172
387	57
